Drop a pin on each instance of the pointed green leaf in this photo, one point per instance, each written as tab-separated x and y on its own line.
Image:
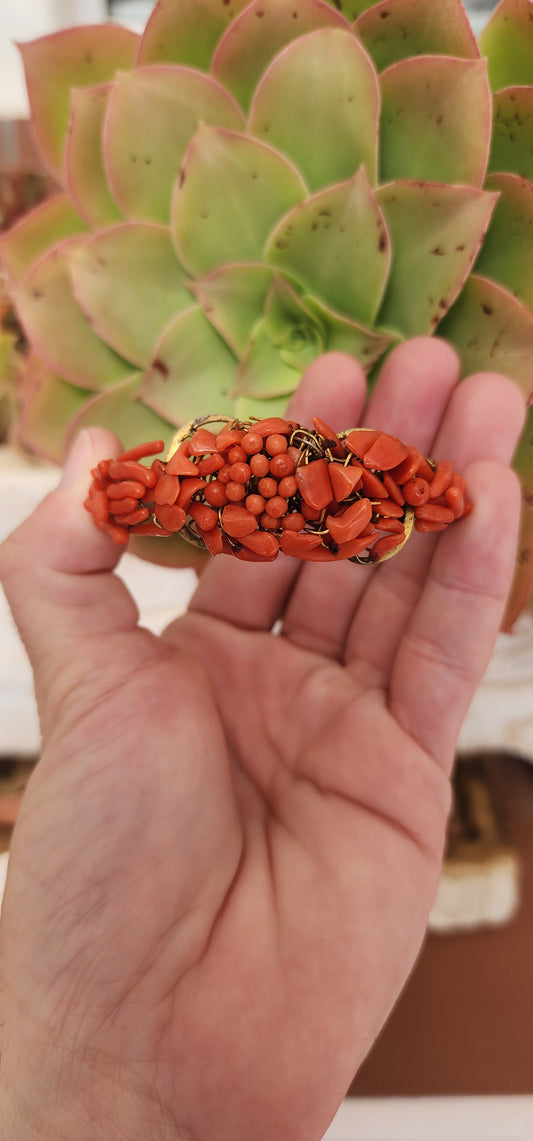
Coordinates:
262	372
523	580
192	373
84	160
507	41
522	586
285	309
233	191
337	246
436	232
507	253
48	410
397	29
121	412
76	57
186	32
57	328
436	120
233	299
345	336
523	460
129	284
491	329
351	9
318	102
512	132
259	33
49	223
296	332
153	114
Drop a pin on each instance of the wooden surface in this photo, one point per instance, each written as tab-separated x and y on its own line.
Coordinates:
464	1024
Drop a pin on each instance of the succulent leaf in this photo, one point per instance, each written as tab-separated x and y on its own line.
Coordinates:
232	191
231	297
84	160
492	329
396	29
318	102
120	412
294	330
512	136
507	41
130	285
263	372
192	371
186	32
435	120
259	33
50	406
337	246
436	232
49	223
351	9
77	57
506	255
58	329
152	117
523	580
345	336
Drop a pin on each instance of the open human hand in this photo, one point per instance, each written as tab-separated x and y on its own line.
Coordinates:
225	859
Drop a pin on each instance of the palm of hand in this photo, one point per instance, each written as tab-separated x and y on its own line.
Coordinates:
226	857
208	901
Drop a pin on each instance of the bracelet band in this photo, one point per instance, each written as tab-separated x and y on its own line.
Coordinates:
254	488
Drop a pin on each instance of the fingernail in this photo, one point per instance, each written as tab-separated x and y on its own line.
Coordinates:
78	458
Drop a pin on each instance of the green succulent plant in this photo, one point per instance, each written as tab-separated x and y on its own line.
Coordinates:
249	184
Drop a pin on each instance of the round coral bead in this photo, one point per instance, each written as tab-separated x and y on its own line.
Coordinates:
276	506
282	465
259	465
223	475
236	455
235	491
276	444
294	521
267	487
255	504
215	494
416	492
251	443
268	522
240	472
287	487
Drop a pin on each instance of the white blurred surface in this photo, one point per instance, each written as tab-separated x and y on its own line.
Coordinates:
26	20
434	1119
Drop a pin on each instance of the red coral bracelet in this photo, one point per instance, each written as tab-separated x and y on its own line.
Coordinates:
254	488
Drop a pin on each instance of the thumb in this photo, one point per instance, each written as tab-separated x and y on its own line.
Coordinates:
56	568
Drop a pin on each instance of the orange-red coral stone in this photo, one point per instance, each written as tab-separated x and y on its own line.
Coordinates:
254	489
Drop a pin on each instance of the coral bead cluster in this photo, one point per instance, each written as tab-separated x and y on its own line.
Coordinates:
255	488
